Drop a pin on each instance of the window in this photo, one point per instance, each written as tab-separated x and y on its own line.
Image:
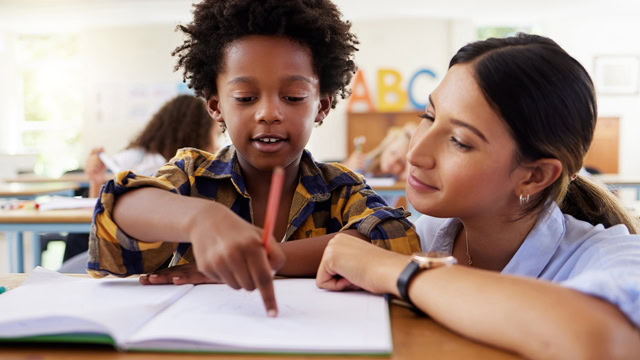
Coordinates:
50	120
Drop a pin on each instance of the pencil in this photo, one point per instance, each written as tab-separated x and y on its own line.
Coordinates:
277	180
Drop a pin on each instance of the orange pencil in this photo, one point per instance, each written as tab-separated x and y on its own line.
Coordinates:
277	180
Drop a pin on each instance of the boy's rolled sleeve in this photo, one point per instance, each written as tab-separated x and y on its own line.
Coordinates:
385	226
111	250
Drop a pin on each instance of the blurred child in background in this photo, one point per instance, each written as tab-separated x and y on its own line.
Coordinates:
388	159
181	122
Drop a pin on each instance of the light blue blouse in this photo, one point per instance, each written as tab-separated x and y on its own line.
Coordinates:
561	249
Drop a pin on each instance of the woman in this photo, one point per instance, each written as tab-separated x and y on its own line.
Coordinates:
546	267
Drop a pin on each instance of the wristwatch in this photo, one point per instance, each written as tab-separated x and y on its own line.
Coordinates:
421	261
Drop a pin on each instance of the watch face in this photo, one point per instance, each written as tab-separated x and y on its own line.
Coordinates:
433	259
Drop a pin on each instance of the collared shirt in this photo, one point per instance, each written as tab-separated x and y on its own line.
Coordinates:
328	198
561	249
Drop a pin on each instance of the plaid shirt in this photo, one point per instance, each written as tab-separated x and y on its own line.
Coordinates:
329	198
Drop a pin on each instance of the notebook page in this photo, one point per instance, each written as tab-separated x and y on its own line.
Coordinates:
310	320
51	303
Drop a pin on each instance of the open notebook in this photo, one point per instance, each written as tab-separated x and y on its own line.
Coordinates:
50	306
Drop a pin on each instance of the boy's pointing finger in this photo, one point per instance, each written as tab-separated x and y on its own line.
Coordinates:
262	278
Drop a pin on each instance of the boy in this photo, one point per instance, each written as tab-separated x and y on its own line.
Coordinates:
269	71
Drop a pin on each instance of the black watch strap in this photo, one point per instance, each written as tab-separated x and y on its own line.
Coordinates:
405	278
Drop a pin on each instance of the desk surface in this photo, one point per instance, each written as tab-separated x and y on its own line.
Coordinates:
413	338
615	179
399	187
35	189
53	216
32	178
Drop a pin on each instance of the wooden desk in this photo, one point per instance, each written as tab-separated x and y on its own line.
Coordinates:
79	178
31	190
398	187
16	222
413	338
615	179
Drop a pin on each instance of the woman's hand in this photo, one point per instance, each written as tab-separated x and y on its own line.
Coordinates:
349	262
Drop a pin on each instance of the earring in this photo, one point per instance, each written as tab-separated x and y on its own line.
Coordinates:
524	200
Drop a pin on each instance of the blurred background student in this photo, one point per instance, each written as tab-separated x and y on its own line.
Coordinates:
388	159
181	122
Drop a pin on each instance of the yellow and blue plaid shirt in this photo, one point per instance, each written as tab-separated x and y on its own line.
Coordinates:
329	198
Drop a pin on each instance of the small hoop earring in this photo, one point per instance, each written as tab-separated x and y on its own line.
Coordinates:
524	200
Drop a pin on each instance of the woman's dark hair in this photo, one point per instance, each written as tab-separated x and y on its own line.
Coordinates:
181	122
316	24
547	100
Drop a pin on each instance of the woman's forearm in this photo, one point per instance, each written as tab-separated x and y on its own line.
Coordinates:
537	319
534	318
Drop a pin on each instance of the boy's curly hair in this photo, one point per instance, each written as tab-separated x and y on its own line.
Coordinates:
316	24
181	122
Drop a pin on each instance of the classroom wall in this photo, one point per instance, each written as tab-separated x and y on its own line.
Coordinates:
129	72
8	96
587	37
114	74
124	63
129	75
404	45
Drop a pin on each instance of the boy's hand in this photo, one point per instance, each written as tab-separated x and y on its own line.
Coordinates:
228	249
178	275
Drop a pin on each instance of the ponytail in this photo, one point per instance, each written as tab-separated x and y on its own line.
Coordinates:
588	201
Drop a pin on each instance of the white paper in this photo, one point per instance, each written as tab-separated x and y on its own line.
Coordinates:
310	320
65	202
51	303
202	317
